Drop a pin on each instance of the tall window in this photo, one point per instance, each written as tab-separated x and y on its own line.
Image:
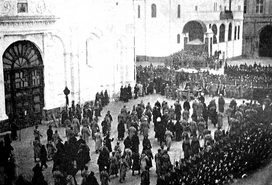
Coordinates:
230	32
222	33
153	11
214	29
238	34
139	11
259	6
245	6
196	8
215	6
178	38
235	33
178	11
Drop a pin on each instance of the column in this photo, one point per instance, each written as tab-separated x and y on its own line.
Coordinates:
3	115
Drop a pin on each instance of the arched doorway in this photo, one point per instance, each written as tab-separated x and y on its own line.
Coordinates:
196	30
265	45
24	84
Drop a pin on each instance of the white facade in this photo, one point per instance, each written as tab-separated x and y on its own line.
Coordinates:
86	45
157	36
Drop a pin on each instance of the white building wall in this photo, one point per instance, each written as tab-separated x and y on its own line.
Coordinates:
89	48
157	37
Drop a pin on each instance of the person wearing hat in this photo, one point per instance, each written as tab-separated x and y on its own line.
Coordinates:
168	138
221	103
158	162
145	178
178	131
121	130
113	165
146	143
144	127
177	110
104	176
108	142
91	179
135	142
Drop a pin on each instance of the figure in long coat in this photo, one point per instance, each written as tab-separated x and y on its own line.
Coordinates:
94	127
85	132
98	141
37	149
221	103
179	130
168	138
121	130
144	127
76	126
123	169
136	163
113	165
158	162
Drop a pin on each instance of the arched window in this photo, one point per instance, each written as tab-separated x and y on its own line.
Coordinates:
222	33
178	11
178	38
139	11
238	33
214	29
235	33
230	32
153	11
259	6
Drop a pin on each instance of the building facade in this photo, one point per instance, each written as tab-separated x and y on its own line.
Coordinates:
257	33
47	45
164	27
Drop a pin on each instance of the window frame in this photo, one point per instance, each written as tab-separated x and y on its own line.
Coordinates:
139	11
178	11
178	38
259	6
153	10
222	37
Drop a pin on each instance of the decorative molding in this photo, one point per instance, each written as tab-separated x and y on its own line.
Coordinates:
26	21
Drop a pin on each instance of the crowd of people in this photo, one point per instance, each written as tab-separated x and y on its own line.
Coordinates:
225	155
232	84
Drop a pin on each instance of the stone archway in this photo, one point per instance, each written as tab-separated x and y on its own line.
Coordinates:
265	43
196	30
24	82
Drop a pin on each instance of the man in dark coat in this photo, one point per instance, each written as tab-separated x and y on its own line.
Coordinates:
129	92
91	179
145	179
49	133
177	110
121	130
135	143
127	143
221	103
178	131
108	141
103	159
186	105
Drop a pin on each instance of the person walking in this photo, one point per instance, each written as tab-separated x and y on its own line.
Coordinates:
43	157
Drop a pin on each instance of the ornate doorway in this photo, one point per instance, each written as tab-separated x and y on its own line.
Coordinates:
24	83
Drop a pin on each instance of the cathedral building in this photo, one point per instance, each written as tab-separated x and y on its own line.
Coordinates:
164	27
48	45
257	33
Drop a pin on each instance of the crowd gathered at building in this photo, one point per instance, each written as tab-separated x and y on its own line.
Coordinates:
225	155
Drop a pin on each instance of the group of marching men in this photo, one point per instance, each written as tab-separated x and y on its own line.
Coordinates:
138	122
